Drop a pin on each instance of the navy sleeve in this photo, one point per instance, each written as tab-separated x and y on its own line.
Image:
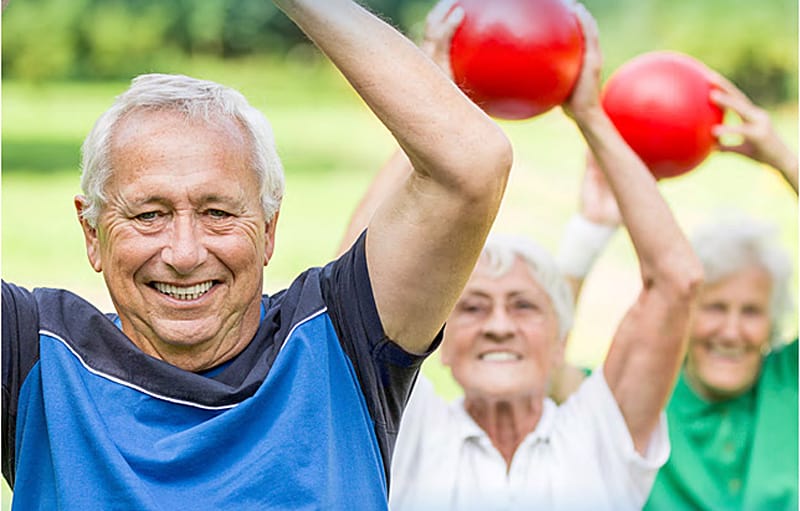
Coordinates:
20	352
386	371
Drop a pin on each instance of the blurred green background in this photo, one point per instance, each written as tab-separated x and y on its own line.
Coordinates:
63	61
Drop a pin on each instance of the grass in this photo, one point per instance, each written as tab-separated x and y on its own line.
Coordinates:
331	146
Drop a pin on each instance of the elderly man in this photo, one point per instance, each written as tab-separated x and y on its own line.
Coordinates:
200	391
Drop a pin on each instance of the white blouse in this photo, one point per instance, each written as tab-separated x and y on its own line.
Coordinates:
580	457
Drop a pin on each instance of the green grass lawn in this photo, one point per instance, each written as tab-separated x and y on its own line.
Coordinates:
331	146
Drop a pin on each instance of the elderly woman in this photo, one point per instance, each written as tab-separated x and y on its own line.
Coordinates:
733	414
506	445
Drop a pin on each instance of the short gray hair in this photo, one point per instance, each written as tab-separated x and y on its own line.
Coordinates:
193	98
500	251
730	245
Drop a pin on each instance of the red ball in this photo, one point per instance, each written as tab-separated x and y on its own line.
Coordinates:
659	102
517	58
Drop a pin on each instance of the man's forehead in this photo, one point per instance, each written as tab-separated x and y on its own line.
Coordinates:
158	121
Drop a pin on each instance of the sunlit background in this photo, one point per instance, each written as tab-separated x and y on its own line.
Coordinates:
63	62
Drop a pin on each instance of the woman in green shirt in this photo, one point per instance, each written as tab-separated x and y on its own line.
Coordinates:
733	413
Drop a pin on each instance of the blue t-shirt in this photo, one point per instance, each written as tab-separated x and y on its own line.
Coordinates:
305	417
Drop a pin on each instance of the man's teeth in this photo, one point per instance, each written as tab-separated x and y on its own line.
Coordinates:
184	293
500	356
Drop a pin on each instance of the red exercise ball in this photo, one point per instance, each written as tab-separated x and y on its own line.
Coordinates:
517	58
659	102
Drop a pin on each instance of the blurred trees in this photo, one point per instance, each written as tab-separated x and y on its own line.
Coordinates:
753	43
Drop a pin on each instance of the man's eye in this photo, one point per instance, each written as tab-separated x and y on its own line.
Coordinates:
217	213
147	216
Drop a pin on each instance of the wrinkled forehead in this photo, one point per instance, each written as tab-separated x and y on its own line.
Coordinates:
166	150
163	121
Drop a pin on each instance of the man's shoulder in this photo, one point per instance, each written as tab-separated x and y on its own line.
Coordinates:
51	306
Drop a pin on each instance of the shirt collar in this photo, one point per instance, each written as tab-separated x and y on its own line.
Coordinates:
687	403
469	429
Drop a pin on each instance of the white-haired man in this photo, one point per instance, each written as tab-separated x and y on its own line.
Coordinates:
200	392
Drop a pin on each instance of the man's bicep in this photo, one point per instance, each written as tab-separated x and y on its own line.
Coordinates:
421	248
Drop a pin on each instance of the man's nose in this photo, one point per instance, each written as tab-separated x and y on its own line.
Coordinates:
185	250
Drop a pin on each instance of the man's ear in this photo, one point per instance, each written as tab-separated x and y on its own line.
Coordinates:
269	237
89	234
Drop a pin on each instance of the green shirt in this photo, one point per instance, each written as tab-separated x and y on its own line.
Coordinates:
739	454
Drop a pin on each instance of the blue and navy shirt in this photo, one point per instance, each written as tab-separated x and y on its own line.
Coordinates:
304	418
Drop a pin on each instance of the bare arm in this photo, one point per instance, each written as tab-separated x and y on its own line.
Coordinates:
441	24
390	178
425	238
649	344
760	141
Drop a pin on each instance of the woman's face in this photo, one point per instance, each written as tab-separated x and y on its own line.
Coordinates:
730	333
502	338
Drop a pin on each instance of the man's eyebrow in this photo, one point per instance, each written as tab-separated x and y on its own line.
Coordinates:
203	199
147	199
218	197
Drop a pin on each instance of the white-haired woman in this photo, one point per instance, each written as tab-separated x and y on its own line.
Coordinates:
506	444
733	414
732	417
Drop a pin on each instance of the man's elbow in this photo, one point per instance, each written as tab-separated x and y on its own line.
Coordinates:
493	155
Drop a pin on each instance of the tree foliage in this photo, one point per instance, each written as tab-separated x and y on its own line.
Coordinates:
753	43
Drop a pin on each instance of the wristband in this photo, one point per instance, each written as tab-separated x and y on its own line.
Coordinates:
582	242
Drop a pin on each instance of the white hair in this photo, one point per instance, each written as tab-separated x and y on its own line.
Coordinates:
500	251
196	99
728	246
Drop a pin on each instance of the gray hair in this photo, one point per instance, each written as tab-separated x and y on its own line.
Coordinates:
500	252
728	246
196	99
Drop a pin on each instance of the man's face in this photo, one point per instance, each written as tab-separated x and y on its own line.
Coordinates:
730	330
182	239
501	340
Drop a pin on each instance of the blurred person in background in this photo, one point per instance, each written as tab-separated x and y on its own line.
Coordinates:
505	444
733	413
201	391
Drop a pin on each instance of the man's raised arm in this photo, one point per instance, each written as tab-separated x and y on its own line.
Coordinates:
424	240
